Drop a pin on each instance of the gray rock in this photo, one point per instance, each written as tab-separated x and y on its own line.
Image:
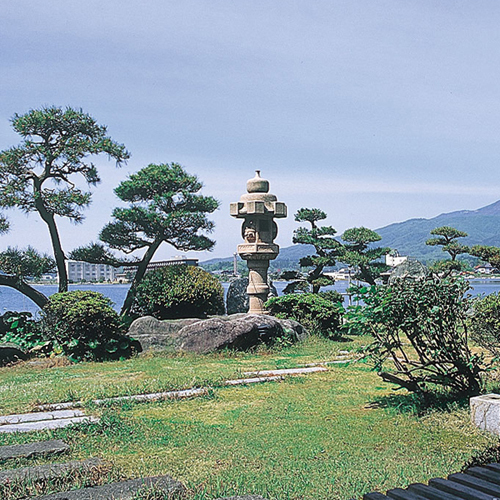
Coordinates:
237	298
238	331
49	471
125	490
10	353
40	448
155	334
409	269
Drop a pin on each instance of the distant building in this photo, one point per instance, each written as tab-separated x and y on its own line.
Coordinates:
393	259
79	271
485	269
129	271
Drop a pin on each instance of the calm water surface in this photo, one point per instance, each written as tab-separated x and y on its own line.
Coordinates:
12	300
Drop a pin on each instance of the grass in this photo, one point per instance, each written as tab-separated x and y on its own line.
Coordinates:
329	435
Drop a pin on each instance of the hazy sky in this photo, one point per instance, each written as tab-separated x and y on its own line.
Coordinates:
375	111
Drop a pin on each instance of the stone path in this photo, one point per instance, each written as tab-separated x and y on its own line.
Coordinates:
40	448
262	376
35	417
49	471
124	490
244	497
27	422
58	415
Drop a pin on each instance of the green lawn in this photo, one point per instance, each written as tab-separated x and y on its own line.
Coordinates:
329	435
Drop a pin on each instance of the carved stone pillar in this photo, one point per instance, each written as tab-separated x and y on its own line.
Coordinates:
258	208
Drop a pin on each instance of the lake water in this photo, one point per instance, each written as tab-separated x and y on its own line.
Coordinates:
12	300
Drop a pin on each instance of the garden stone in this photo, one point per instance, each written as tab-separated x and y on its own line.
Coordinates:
244	497
410	268
154	334
10	353
125	490
49	471
41	425
237	296
485	412
40	448
238	331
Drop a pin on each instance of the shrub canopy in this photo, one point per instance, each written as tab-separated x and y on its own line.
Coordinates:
179	292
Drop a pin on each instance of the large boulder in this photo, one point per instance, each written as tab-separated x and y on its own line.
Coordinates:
10	353
155	334
237	331
409	269
237	297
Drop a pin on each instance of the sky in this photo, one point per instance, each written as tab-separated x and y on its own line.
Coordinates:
373	111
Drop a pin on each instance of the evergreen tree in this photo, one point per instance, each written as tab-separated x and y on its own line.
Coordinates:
39	175
164	207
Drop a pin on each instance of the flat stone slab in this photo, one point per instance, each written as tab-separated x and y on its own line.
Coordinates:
253	380
45	424
485	412
40	448
119	491
38	416
288	371
49	471
185	393
244	497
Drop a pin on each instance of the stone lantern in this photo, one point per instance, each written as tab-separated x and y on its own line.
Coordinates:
258	208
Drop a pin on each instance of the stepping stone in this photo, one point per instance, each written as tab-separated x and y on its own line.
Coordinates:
52	447
119	491
184	393
35	417
49	471
45	424
244	497
255	380
288	371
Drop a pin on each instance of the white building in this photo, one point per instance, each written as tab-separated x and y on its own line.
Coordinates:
84	271
393	259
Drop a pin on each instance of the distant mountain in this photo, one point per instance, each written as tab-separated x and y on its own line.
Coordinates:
409	237
288	258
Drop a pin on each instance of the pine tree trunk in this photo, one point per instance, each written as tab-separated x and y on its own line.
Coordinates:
48	218
141	271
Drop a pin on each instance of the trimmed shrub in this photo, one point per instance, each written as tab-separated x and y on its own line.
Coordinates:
21	329
332	296
179	292
85	326
316	313
485	323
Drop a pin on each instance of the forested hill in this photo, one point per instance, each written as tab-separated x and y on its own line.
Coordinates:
409	237
288	258
482	225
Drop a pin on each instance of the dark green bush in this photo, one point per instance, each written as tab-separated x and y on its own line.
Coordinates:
485	323
316	313
332	296
21	329
421	326
179	292
85	326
